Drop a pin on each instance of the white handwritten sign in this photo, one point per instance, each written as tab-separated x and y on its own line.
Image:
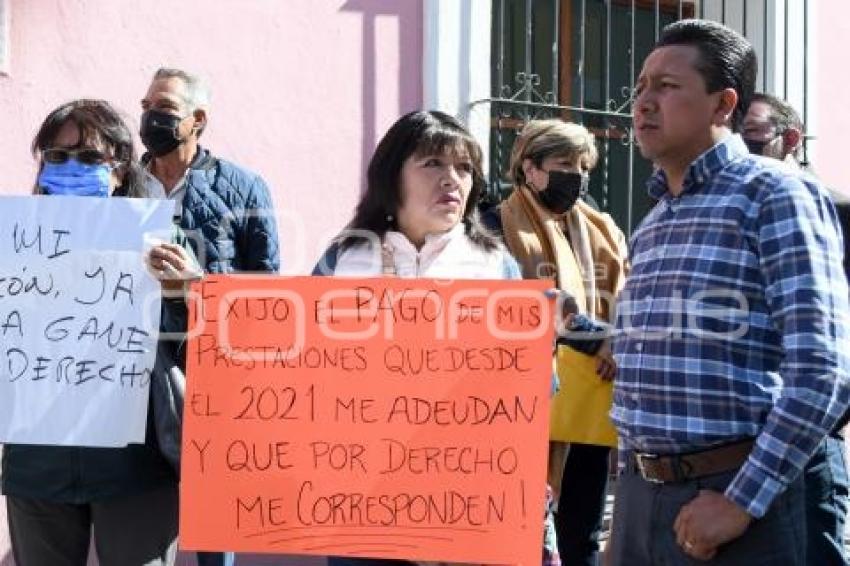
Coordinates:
79	317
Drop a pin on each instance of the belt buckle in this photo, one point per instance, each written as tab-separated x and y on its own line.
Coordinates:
640	459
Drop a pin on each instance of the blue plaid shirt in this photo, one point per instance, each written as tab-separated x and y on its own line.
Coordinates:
733	321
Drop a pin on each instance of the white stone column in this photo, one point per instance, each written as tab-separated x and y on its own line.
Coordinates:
5	36
456	62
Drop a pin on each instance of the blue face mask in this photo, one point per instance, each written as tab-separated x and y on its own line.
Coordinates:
76	179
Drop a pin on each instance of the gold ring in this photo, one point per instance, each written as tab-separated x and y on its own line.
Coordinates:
689	545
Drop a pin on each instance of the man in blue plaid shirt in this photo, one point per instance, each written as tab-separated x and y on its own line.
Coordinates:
732	329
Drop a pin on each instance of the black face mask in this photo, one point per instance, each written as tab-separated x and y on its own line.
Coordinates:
756	147
159	132
563	190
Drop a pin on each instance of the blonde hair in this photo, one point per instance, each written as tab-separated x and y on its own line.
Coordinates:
540	139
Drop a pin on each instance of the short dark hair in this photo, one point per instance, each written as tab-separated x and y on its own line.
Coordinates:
99	124
782	114
416	133
726	59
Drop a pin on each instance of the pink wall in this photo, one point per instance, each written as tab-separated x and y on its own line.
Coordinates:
833	83
302	89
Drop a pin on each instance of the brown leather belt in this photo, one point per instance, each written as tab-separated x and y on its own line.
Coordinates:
670	468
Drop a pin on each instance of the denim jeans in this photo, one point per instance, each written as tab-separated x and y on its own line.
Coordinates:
825	480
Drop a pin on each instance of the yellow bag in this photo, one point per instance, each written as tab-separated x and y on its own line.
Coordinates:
580	408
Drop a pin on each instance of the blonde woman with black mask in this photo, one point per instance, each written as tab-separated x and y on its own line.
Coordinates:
553	233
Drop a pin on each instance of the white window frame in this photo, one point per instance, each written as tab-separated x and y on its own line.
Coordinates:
5	36
456	62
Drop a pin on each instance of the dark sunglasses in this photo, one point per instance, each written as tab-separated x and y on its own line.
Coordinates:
87	156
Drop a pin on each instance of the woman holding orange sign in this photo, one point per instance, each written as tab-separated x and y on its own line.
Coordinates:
418	218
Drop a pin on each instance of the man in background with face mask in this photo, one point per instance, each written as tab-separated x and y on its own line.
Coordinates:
772	128
225	210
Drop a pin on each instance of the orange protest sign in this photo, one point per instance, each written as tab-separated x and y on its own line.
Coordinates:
390	418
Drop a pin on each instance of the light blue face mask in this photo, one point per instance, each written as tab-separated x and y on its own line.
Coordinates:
76	179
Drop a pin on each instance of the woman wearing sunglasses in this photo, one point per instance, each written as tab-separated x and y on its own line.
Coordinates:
57	495
85	149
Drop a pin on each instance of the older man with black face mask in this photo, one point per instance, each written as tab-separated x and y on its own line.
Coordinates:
225	210
773	128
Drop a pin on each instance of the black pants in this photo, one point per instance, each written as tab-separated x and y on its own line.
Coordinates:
128	531
215	558
644	513
581	504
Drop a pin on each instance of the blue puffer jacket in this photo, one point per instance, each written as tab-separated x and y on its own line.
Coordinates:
228	216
